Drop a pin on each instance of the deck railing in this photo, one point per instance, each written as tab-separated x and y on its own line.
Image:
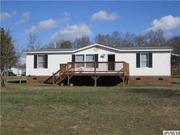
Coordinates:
175	70
99	67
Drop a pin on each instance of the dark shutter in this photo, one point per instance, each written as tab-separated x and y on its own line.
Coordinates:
73	60
150	60
46	61
35	61
96	60
137	60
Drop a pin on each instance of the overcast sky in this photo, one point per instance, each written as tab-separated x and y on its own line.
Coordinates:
69	20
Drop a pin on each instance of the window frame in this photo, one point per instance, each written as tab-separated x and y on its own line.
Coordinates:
43	61
148	60
90	65
144	61
79	64
79	55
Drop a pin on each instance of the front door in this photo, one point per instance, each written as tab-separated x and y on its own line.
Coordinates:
111	62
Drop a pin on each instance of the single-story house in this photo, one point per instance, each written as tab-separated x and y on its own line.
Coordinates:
133	65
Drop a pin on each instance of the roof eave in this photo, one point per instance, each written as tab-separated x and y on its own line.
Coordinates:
161	49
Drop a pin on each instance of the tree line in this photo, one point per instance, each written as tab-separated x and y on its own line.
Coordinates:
116	39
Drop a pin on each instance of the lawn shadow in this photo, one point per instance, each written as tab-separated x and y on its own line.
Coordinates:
156	92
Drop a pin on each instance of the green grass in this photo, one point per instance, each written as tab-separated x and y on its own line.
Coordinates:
53	110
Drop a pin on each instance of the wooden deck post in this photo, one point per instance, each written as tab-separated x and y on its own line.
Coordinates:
95	82
127	80
95	77
95	68
68	80
123	80
53	79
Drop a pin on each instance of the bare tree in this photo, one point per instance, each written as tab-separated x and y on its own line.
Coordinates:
103	39
81	42
175	43
155	38
32	42
8	53
66	44
140	41
128	40
51	45
100	39
116	39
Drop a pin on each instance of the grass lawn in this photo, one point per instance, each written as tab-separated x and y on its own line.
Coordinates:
52	110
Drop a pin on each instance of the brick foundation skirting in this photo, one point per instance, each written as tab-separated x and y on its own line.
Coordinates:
149	80
36	79
133	80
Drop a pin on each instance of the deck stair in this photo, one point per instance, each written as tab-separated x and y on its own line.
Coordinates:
60	75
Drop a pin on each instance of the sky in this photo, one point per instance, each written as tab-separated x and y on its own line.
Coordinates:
54	20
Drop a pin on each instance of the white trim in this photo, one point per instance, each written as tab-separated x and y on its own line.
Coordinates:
93	45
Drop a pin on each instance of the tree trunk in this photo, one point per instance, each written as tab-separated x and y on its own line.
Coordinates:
4	74
3	80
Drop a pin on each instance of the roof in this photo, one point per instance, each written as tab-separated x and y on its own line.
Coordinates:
52	49
146	47
120	49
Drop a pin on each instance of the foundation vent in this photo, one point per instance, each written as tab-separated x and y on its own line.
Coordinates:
138	78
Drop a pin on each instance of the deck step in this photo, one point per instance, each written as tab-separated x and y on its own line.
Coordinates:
59	76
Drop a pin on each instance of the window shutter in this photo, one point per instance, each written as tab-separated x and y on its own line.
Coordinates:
96	60
35	61
137	60
73	60
150	60
46	61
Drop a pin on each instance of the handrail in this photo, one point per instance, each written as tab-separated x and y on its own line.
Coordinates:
175	70
53	77
94	66
98	62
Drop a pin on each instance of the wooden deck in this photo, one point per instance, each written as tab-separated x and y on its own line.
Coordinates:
93	69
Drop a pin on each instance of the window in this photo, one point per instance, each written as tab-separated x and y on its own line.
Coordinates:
144	60
79	58
40	61
90	58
